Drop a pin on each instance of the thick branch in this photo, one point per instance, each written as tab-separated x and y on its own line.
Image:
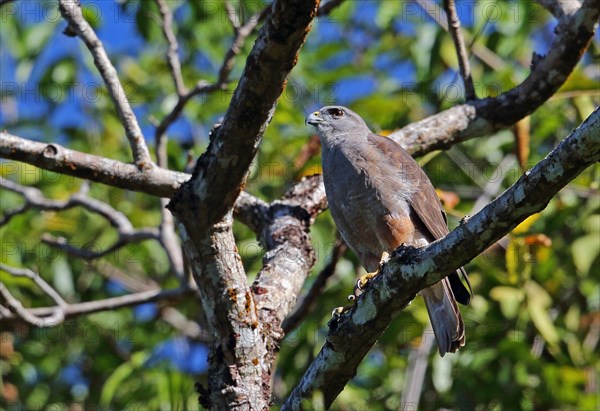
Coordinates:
488	115
237	349
461	50
310	299
239	367
71	11
410	270
221	170
289	257
155	181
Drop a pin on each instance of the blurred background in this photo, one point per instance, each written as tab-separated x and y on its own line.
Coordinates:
534	323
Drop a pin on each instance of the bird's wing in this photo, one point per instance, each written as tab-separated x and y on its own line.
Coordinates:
425	203
424	200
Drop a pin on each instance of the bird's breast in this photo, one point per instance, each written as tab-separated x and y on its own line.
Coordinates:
368	214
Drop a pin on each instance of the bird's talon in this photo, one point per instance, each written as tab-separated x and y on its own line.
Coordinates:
337	312
385	257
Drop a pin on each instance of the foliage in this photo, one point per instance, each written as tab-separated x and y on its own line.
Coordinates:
532	327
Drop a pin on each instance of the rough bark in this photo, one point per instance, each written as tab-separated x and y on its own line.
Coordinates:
289	257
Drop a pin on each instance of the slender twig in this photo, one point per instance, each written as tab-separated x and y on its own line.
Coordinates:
310	299
170	241
166	23
128	300
35	199
483	53
55	315
167	235
138	283
52	316
173	50
38	280
238	42
72	13
125	230
461	50
232	16
328	7
204	87
125	239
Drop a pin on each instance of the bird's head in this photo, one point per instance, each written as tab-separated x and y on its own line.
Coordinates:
336	121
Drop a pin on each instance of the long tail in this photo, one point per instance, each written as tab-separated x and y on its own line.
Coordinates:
447	323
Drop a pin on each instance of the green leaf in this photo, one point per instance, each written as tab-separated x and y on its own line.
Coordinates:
538	303
585	251
509	298
119	376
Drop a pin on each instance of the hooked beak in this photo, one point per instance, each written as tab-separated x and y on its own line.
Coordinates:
313	119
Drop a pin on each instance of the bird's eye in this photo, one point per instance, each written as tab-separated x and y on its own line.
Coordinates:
335	112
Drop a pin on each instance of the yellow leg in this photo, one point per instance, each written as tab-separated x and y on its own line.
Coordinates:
364	279
359	287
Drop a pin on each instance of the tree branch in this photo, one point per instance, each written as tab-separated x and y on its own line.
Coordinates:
39	281
409	270
53	316
487	56
71	12
203	87
461	50
220	171
158	181
173	50
239	366
155	181
237	349
310	299
289	257
488	115
559	8
125	230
